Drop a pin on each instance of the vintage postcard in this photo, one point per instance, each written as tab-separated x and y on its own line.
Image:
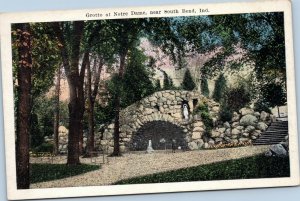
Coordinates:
149	99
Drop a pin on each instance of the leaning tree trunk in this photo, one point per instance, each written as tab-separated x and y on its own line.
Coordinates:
23	112
56	113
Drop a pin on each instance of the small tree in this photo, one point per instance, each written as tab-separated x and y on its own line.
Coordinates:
204	87
168	82
220	87
188	83
274	95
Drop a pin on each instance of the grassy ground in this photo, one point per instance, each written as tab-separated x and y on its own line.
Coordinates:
48	172
252	167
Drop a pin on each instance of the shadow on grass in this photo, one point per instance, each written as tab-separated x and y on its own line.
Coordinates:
245	168
47	172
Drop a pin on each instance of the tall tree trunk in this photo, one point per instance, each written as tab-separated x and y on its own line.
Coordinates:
23	112
75	80
56	112
92	94
74	125
116	151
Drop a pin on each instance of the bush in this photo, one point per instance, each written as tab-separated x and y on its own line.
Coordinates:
204	87
203	111
225	114
45	147
188	83
234	99
220	88
261	106
48	172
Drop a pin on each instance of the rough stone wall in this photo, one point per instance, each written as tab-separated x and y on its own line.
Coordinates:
245	126
160	106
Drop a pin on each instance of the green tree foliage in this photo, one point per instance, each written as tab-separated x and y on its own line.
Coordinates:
134	87
203	111
188	82
36	136
157	85
168	82
204	87
220	87
234	99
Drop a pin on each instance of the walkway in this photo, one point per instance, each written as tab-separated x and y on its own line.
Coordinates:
133	165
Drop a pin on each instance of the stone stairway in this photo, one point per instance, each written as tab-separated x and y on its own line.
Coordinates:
275	134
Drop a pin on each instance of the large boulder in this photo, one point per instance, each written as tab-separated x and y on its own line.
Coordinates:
278	150
248	120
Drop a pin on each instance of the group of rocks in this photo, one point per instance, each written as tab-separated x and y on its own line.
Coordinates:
245	126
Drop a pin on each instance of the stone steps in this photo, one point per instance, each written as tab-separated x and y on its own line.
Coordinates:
274	134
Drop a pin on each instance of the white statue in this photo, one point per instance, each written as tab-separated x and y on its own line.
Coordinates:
185	112
149	148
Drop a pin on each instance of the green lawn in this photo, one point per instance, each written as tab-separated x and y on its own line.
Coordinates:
47	172
252	167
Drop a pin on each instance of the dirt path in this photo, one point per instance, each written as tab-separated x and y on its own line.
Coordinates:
132	165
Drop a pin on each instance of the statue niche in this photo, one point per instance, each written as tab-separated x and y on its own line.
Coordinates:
185	110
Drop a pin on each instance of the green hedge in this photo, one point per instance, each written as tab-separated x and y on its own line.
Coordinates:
48	172
245	168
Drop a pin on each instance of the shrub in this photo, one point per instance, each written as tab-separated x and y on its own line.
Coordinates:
188	83
203	111
220	87
44	147
261	106
204	87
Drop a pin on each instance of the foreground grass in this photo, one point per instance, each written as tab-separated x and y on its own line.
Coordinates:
47	172
246	168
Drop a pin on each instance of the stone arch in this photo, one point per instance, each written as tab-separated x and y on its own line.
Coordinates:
161	133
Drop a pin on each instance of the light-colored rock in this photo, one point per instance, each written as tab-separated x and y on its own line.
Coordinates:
248	120
257	114
262	126
243	140
245	134
264	115
192	145
235	131
278	150
235	124
240	127
198	124
244	111
111	126
221	130
215	133
62	129
218	140
249	129
200	143
235	117
196	135
234	136
199	129
256	133
228	132
206	146
226	125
